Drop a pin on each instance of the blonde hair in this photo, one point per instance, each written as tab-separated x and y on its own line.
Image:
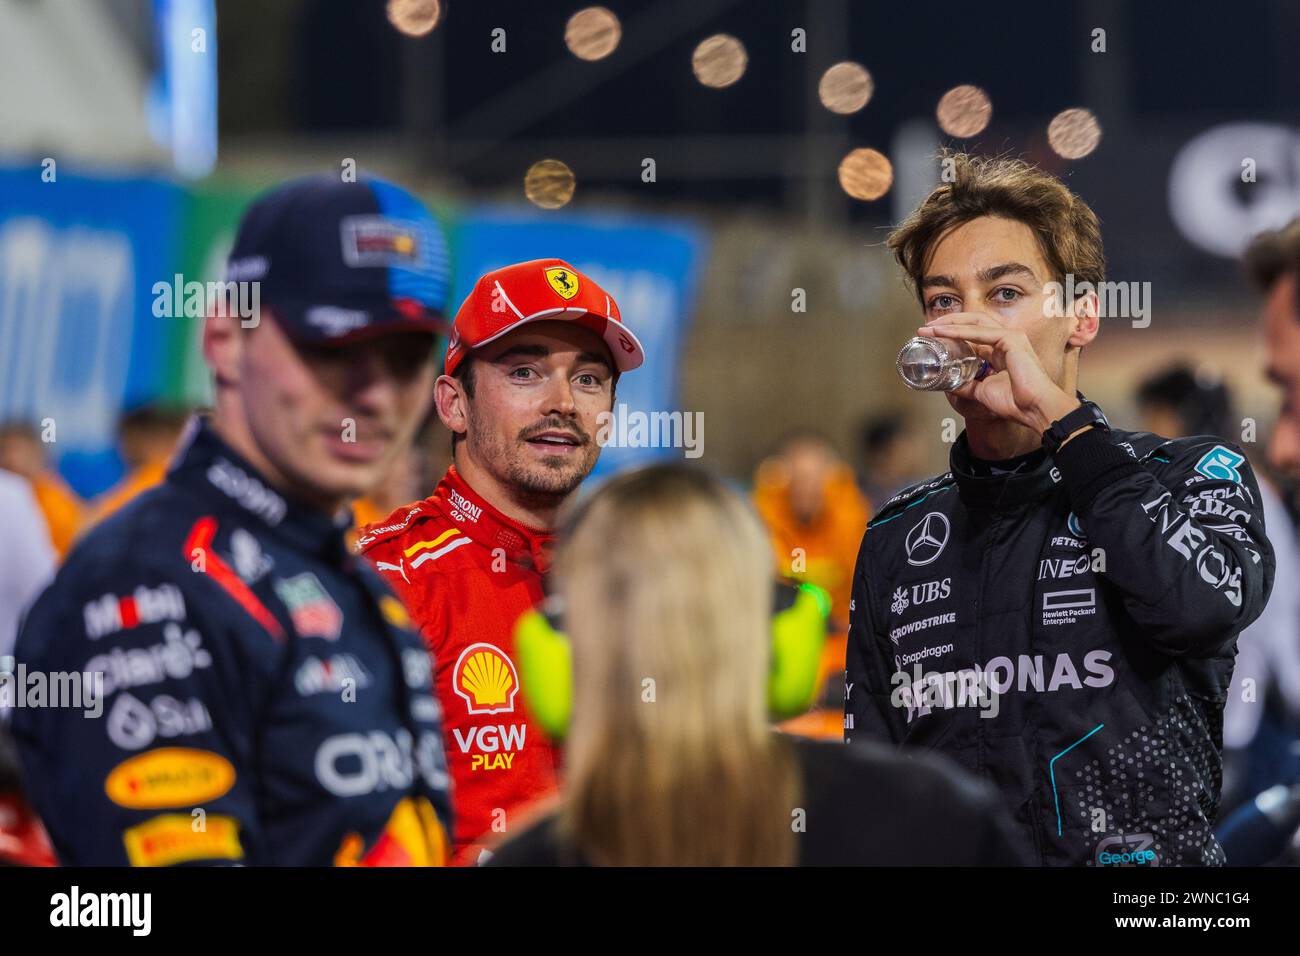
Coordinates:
667	582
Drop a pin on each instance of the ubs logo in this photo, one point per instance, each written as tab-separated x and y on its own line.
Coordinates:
927	539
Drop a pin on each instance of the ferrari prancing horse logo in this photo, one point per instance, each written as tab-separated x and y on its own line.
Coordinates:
563	281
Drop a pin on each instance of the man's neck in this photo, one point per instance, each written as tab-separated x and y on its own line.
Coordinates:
531	510
999	439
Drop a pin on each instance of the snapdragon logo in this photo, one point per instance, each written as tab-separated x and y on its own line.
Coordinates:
1115	300
622	428
74	908
179	299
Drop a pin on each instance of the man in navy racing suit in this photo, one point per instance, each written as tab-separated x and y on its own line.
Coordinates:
256	693
1058	613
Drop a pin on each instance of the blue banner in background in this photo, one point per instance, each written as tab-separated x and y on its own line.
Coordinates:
78	340
650	266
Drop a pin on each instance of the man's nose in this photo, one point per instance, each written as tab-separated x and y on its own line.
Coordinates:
559	397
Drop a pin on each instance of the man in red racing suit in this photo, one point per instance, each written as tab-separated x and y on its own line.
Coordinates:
532	363
466	572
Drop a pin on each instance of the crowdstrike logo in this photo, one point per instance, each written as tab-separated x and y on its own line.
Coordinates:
927	539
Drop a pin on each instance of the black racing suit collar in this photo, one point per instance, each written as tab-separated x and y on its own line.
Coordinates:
208	467
980	486
1028	478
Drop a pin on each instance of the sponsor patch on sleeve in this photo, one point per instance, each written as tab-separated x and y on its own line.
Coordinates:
1220	464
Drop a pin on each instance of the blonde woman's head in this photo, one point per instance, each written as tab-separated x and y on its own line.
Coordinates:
667	582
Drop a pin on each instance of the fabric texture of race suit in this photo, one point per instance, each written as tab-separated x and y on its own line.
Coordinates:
467	572
265	699
1067	633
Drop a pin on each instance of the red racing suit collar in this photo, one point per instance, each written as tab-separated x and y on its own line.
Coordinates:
525	545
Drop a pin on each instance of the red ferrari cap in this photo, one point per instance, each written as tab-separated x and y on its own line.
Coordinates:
543	289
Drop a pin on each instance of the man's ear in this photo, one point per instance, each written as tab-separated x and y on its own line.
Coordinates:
1086	316
452	403
223	347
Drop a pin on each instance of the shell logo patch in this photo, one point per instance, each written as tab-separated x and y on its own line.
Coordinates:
169	777
486	678
563	281
171	838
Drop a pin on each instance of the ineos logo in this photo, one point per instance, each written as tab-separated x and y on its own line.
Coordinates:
927	539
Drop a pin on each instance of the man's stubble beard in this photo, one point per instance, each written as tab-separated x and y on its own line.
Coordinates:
551	480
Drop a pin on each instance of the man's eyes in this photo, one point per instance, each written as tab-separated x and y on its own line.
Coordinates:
1003	294
586	379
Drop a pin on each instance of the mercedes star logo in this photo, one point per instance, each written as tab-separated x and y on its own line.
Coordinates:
926	540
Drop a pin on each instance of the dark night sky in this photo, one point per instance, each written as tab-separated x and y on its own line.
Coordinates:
336	67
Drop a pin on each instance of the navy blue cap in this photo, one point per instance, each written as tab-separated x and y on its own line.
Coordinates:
337	261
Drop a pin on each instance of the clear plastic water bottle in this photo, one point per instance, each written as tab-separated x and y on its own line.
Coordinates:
937	365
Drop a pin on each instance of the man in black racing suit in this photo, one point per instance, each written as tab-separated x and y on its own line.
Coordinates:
1058	613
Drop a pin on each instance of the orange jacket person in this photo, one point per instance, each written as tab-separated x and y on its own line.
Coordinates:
533	360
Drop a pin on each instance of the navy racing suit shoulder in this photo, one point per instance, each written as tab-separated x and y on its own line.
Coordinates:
235	687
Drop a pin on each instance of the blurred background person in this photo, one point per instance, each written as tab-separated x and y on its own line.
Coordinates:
27	559
146	439
809	501
27	563
1179	401
891	456
24	454
664	571
1266	827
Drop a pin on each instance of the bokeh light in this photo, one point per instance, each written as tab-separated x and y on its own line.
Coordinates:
549	184
866	174
845	88
964	111
415	18
719	61
1073	134
593	33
